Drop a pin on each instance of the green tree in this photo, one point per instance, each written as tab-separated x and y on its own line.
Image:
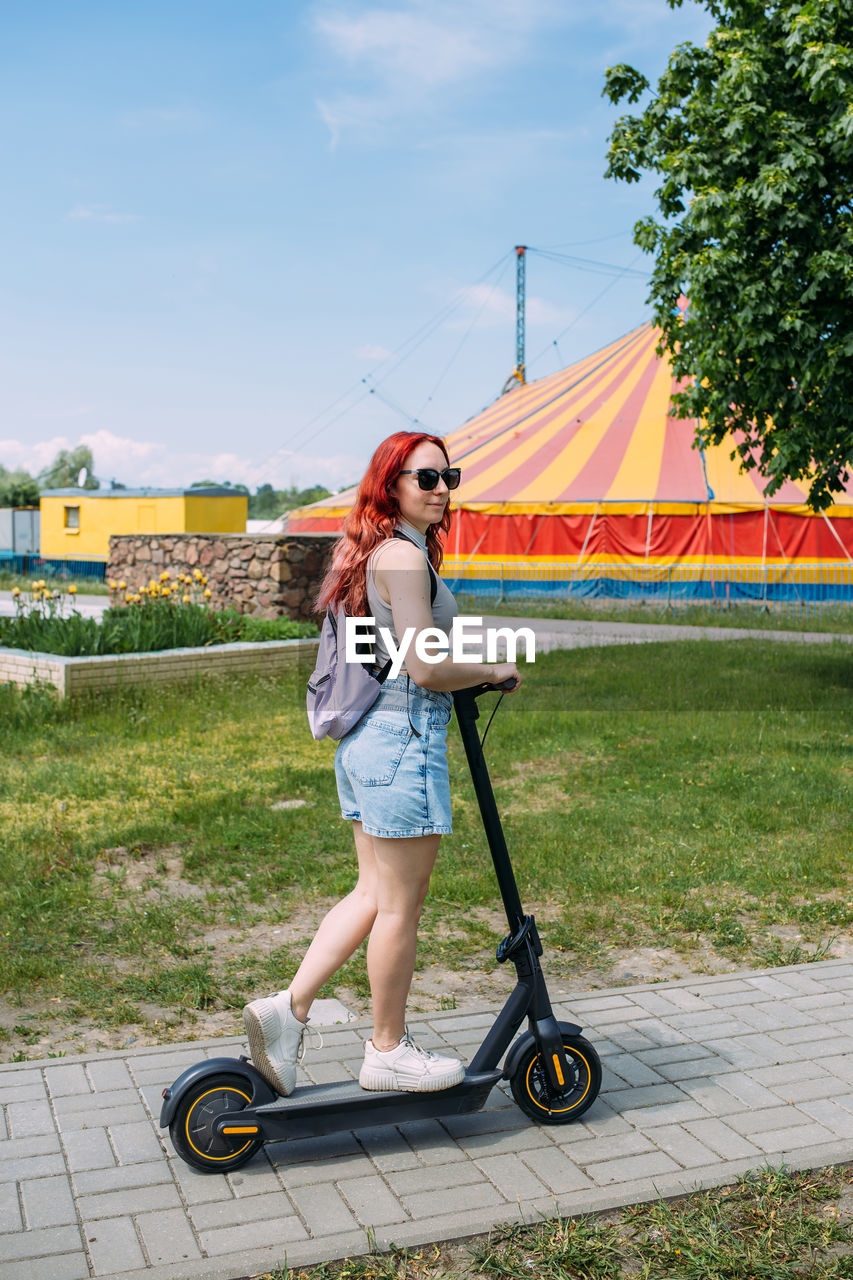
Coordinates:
18	489
294	497
752	136
64	471
264	504
268	503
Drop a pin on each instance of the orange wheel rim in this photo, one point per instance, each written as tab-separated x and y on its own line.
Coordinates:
556	1110
204	1154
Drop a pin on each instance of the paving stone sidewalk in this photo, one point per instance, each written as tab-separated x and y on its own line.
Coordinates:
704	1078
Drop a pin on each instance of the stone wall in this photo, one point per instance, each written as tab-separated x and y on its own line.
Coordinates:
265	575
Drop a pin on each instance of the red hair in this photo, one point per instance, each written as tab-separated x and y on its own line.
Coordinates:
373	518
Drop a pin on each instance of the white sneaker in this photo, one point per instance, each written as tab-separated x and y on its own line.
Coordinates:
407	1066
275	1039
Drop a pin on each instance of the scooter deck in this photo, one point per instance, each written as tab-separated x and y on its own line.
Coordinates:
332	1108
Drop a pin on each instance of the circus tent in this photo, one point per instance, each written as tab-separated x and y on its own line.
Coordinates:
588	467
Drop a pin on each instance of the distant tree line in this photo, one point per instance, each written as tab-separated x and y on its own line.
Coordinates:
267	502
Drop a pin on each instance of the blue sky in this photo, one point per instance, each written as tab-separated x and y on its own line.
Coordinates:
221	218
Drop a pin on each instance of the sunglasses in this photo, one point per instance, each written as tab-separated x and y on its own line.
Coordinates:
428	477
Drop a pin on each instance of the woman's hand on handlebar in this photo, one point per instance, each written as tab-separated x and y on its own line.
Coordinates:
506	671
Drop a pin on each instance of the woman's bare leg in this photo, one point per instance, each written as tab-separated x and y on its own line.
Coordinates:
403	869
341	932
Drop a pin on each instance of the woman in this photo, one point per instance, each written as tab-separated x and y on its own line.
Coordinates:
391	770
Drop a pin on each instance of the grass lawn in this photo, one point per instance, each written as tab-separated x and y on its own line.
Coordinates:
166	853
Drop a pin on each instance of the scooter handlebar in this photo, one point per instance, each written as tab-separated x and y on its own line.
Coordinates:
504	687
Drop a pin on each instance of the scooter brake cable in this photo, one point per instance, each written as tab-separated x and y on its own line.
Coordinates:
491	718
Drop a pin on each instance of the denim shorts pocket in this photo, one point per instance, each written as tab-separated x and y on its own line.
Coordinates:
372	758
442	715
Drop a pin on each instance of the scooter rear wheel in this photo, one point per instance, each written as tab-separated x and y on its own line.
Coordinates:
535	1095
192	1128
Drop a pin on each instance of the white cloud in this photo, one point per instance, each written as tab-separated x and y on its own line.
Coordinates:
98	213
32	456
143	463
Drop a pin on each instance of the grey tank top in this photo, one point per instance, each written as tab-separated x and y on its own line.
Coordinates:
444	608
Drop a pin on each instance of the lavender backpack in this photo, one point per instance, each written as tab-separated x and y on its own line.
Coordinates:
339	692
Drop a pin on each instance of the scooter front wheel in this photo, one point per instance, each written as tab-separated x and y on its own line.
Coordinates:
537	1098
192	1130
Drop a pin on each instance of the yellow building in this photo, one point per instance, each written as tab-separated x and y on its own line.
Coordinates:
77	523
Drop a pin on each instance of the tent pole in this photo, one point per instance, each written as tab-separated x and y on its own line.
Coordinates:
788	566
764	550
834	533
533	536
518	377
588	532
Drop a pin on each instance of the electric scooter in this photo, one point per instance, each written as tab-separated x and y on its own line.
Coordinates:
221	1111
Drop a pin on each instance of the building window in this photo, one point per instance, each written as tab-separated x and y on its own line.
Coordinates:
72	517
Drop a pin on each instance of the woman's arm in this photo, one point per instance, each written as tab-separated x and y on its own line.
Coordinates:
402	580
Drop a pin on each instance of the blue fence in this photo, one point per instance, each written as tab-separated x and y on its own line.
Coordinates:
812	585
32	566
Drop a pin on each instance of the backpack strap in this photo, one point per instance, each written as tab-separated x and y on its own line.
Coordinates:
382	674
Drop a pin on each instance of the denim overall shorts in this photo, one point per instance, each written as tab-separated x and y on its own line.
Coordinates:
391	779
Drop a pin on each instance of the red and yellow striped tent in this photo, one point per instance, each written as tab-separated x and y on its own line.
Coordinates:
588	466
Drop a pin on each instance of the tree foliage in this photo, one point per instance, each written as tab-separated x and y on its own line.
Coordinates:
18	489
752	136
64	471
268	503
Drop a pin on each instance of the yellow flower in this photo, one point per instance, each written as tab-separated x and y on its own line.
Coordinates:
128	598
197	573
16	591
122	586
185	599
204	580
112	584
208	593
72	590
164	575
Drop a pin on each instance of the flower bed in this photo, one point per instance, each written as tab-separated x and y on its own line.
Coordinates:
164	631
166	614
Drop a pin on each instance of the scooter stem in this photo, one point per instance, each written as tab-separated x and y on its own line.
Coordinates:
465	705
522	946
